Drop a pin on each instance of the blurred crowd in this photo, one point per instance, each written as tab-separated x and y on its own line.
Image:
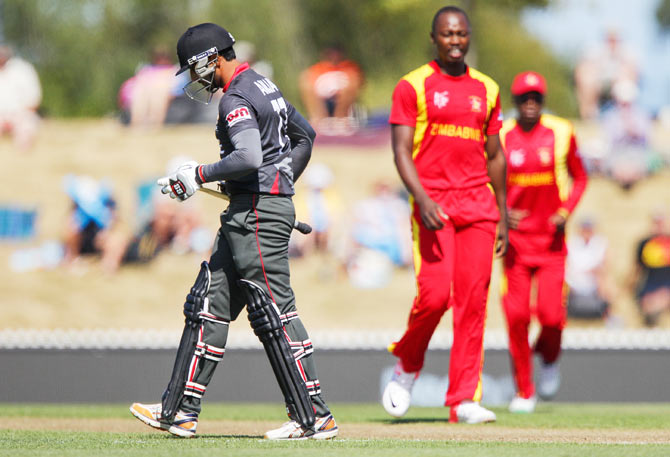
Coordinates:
373	238
20	98
95	235
608	87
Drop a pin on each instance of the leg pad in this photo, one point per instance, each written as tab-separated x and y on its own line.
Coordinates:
267	325
188	345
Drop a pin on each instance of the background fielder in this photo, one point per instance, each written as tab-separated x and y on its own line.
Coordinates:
542	158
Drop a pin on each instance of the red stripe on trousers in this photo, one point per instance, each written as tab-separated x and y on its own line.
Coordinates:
260	255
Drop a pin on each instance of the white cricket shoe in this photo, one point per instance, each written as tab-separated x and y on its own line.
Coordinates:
470	412
184	424
523	405
550	380
325	428
398	392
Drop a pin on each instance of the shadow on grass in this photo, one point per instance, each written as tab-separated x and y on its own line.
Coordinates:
214	436
412	420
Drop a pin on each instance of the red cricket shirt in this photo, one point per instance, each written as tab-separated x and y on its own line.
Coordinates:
452	115
541	164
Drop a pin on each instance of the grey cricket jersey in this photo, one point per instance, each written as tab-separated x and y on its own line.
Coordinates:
265	143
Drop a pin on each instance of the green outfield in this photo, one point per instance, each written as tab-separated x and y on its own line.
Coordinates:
365	430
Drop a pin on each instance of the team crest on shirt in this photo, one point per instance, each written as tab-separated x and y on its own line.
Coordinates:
545	155
475	104
440	99
516	157
237	115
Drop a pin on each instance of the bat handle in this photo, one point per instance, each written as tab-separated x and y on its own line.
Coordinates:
302	227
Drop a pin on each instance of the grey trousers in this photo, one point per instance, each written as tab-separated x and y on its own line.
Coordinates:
251	244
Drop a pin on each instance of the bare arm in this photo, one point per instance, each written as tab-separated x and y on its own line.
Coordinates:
497	170
402	137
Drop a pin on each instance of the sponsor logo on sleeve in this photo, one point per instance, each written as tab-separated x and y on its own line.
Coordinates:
237	115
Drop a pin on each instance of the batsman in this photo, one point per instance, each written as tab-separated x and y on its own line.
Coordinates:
265	144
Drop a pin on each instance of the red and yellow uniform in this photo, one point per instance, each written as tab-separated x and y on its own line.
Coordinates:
452	117
545	176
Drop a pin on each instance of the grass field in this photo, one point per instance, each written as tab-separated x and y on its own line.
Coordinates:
365	430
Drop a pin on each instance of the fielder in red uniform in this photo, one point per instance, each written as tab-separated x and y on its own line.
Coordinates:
445	121
542	158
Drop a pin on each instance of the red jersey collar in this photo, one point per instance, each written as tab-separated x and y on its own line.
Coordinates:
438	69
238	70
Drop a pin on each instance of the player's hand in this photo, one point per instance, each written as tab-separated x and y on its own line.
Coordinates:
515	216
558	220
181	184
502	238
432	214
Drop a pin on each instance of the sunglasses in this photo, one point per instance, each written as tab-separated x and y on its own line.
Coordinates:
523	98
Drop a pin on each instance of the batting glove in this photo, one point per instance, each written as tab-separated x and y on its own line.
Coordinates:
183	183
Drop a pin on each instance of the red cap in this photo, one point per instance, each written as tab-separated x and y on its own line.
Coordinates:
529	81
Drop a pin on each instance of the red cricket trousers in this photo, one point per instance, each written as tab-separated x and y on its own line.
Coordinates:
548	272
453	269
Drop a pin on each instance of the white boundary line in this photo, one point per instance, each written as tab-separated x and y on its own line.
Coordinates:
594	339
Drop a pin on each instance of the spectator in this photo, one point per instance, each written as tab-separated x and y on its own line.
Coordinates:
380	238
20	97
628	127
652	273
170	227
145	98
94	228
93	215
329	90
586	273
599	70
382	223
320	204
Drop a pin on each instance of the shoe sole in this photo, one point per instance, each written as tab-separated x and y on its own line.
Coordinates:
329	435
325	435
180	432
298	438
485	421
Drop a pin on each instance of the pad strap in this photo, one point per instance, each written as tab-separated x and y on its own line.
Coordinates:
313	387
301	348
288	317
194	389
